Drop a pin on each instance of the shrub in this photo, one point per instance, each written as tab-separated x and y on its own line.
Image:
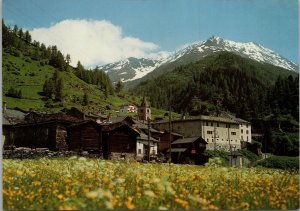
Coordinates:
280	162
249	155
218	154
16	53
215	162
14	93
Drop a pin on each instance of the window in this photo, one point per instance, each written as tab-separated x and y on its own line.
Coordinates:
246	125
212	124
230	140
235	140
242	138
233	133
207	140
140	151
217	124
242	131
212	140
247	132
206	123
247	138
226	139
209	132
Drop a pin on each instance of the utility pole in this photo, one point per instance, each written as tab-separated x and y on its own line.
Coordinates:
170	147
148	139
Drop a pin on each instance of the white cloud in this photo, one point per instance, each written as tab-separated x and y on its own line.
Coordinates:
94	42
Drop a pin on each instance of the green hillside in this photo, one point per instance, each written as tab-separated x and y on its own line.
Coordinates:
225	82
27	65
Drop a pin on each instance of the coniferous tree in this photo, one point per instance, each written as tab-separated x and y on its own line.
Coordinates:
59	90
119	86
27	37
85	100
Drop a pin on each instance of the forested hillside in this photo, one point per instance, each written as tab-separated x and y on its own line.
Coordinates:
40	77
225	82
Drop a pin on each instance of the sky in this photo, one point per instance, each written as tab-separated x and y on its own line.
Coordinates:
98	32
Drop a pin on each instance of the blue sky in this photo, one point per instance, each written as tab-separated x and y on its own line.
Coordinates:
147	26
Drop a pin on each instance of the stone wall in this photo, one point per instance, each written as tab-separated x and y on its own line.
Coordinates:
28	153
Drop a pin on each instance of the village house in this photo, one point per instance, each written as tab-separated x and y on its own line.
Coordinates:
49	134
125	137
119	141
85	136
128	109
218	132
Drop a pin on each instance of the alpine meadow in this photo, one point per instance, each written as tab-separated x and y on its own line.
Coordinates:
150	105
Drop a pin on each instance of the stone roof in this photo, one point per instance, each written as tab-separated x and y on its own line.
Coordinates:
12	116
187	140
144	137
143	126
202	118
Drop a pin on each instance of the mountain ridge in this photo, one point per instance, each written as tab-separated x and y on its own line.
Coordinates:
192	53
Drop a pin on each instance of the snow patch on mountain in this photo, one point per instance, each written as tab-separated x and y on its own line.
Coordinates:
133	68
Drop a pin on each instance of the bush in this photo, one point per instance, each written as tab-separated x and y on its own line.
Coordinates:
215	162
17	53
280	162
218	155
14	93
249	155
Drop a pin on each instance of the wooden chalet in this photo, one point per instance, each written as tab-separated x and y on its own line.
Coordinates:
189	150
83	116
85	136
119	140
46	134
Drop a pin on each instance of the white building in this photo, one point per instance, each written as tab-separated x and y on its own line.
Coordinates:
128	109
218	132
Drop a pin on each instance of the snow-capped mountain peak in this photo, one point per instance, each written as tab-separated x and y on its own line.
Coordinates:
133	68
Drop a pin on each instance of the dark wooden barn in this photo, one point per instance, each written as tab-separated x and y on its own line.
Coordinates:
119	140
189	150
47	134
165	138
85	136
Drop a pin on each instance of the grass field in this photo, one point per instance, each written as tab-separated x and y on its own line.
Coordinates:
80	183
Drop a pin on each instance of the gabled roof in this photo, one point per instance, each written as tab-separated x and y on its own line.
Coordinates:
202	118
188	140
174	134
12	116
143	136
86	122
59	121
143	126
121	119
14	113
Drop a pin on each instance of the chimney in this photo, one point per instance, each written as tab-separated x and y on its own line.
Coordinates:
4	107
